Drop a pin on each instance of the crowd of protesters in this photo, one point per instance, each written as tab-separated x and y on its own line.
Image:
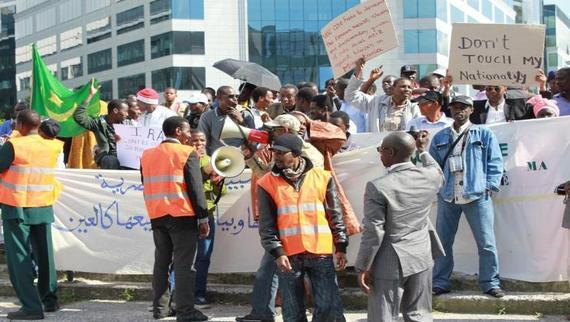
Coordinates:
305	218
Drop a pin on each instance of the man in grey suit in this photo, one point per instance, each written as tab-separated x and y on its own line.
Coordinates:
395	257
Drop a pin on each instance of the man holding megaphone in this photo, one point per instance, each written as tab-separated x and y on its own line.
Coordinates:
212	122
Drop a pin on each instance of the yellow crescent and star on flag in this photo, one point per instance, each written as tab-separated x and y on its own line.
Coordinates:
50	98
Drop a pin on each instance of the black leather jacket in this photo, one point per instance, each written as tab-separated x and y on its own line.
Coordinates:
268	229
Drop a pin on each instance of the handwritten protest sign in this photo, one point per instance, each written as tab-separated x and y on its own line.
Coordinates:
495	54
363	31
134	140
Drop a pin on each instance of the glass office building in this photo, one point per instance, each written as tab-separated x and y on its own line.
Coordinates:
7	51
284	36
126	45
557	43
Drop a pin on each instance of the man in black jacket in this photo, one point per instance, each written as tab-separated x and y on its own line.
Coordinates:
500	107
300	221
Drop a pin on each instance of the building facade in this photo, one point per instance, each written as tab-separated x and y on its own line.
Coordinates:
528	11
424	30
557	43
7	61
129	44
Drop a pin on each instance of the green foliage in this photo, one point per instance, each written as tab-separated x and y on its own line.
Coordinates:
128	295
501	309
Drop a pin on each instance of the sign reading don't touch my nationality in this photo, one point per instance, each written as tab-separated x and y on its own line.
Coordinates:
496	54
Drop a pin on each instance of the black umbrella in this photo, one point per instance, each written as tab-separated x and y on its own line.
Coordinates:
249	72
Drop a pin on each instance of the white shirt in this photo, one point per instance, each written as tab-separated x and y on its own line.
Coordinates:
495	115
458	197
157	117
422	123
257	117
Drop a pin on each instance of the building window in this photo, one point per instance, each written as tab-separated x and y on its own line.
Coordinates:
474	4
106	90
457	14
45	19
442	10
188	9
427	40
47	46
23	54
442	43
24	27
91	5
183	78
70	39
499	16
130	53
550	41
131	84
160	10
72	68
177	42
419	9
420	41
131	19
23	81
553	60
69	10
426	69
487	9
98	30
99	61
284	36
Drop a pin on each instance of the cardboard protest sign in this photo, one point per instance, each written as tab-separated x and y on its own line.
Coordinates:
134	140
363	31
495	54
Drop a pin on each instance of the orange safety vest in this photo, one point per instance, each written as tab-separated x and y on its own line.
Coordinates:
301	220
30	180
164	187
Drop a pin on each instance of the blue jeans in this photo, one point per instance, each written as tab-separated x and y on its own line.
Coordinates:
265	288
203	255
480	216
321	273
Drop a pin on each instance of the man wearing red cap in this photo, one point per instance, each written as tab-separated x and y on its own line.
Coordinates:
153	114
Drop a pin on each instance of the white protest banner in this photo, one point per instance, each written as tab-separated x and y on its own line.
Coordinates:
134	140
101	224
495	54
365	31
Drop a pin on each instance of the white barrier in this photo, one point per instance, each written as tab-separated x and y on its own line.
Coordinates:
101	224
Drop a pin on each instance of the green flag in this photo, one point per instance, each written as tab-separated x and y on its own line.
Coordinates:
52	99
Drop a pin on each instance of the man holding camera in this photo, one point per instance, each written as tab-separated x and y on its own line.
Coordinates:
471	160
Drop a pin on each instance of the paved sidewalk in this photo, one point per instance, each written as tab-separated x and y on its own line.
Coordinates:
121	311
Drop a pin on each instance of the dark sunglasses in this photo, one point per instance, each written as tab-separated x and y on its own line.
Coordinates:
491	88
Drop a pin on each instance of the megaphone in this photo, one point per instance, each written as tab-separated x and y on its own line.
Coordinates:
232	130
227	161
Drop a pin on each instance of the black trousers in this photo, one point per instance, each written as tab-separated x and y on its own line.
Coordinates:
175	245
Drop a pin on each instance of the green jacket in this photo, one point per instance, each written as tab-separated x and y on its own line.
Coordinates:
209	187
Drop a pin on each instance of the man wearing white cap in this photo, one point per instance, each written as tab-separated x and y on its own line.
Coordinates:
197	104
153	114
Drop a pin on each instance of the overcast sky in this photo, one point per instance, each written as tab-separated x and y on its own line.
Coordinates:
564	4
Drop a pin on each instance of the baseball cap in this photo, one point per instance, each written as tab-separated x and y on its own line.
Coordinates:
408	69
462	99
551	76
288	143
50	128
287	121
197	98
439	72
430	96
